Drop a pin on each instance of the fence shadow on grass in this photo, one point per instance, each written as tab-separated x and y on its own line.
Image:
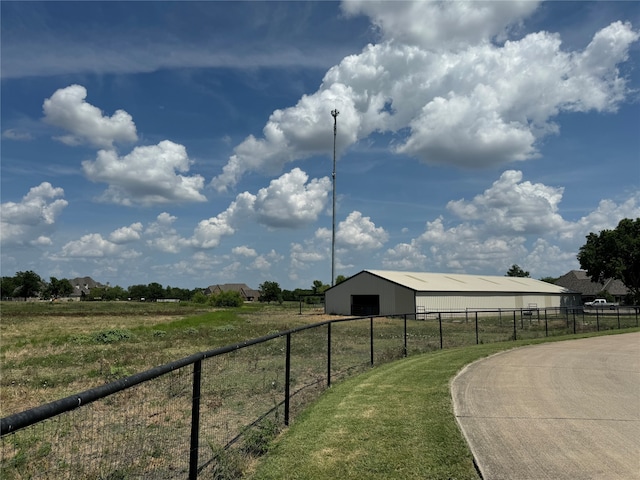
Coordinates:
202	415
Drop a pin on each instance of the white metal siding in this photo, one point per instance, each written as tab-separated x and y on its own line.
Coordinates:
428	301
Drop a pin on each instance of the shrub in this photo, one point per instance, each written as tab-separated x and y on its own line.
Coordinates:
112	336
226	299
199	297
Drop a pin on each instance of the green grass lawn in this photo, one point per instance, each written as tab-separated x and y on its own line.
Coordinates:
394	422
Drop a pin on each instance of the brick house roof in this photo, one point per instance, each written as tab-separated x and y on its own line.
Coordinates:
247	293
83	285
579	281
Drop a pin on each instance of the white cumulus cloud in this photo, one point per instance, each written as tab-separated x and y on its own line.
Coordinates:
449	95
146	176
126	234
357	238
93	245
511	205
68	109
209	232
244	251
441	24
28	221
161	235
512	221
289	201
360	233
405	256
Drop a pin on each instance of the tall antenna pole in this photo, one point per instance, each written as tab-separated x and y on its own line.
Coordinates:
334	114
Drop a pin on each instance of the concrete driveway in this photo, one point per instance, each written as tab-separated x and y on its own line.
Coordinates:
563	410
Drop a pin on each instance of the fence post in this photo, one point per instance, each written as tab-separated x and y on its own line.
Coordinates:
440	323
405	335
477	335
546	324
574	324
618	313
597	320
329	354
287	378
371	337
195	420
514	326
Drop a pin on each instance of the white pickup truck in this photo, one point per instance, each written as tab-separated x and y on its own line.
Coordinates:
600	303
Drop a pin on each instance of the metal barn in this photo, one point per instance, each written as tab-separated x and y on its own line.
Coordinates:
382	292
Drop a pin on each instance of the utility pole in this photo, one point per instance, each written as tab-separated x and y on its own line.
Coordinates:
334	114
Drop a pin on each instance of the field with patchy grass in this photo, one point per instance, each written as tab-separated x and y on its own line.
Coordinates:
51	350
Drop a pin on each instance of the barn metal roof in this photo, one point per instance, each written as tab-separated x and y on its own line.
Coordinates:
453	282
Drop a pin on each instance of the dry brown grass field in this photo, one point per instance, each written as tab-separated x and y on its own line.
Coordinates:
51	350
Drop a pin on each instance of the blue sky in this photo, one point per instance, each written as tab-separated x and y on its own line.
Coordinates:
190	143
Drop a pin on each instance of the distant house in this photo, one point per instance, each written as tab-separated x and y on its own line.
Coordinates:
82	286
579	281
247	294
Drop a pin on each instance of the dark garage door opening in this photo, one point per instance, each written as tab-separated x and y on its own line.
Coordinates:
362	305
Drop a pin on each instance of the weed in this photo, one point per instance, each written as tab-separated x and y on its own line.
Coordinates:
227	464
112	336
79	339
116	372
257	439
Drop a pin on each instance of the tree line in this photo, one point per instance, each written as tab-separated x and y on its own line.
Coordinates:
29	284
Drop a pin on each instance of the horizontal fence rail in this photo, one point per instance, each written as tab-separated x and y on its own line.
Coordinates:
194	416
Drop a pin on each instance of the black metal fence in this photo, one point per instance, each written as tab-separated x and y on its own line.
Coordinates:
189	418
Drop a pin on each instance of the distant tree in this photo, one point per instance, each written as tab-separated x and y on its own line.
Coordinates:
614	254
137	292
340	279
57	288
179	293
270	291
29	284
318	287
289	296
226	299
298	292
115	293
516	271
155	291
7	287
65	288
97	294
552	280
